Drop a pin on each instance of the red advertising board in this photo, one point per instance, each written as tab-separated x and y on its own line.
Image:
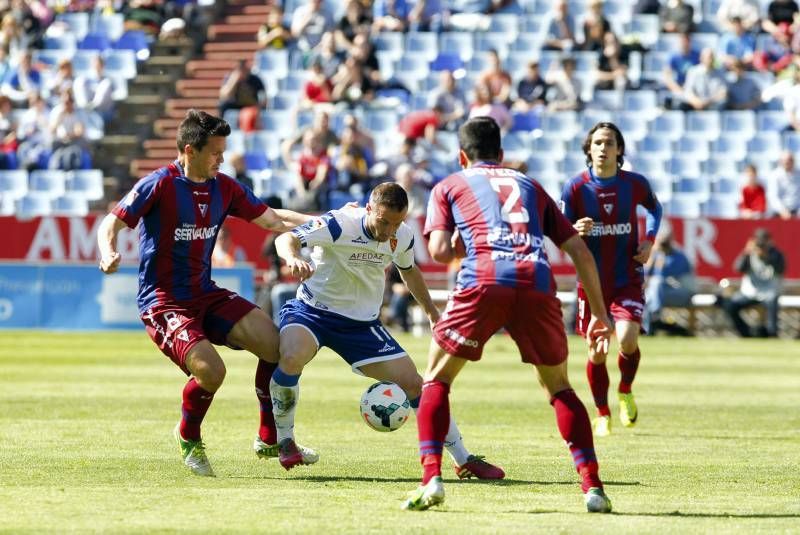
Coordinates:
711	244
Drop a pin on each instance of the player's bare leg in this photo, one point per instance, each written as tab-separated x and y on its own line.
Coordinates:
628	361
256	333
597	374
575	428
208	372
297	347
433	420
403	372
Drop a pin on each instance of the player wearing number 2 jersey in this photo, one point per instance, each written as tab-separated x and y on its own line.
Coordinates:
502	216
602	203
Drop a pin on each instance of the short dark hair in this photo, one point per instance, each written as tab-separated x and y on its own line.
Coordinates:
479	138
389	195
197	127
617	134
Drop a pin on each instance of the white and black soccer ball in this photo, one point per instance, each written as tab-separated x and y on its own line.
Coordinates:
385	407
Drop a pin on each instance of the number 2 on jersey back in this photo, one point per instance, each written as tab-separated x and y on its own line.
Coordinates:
507	190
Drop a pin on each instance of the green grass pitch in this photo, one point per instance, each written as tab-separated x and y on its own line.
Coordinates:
86	445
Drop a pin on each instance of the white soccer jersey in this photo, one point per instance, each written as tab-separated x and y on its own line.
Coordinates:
349	264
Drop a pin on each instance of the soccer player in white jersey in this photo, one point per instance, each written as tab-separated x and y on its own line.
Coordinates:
338	306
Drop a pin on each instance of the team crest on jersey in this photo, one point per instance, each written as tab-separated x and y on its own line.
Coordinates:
203	209
393	243
608	208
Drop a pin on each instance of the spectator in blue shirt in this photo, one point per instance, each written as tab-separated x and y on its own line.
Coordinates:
670	283
679	64
737	44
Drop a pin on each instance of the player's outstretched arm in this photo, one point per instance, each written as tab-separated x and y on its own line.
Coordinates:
280	220
288	247
107	243
415	283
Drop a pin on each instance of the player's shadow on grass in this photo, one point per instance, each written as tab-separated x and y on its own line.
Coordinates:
501	483
679	514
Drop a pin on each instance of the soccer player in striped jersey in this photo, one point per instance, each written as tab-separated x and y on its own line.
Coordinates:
338	306
179	210
602	202
500	217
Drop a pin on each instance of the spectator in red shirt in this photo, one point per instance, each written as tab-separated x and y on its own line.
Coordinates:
318	88
311	171
421	124
753	203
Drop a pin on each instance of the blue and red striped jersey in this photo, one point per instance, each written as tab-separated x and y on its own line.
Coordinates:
614	240
180	222
502	216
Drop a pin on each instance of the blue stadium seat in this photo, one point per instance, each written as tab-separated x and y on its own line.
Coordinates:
585	61
256	160
633	125
682	205
380	121
707	124
457	42
765	146
516	141
95	41
294	81
722	206
724	185
235	142
262	183
82	61
449	140
76	23
516	64
668	42
607	100
661	186
425	44
414	67
446	61
730	145
643	101
705	40
50	182
699	187
539	165
121	63
591	117
649	165
485	42
505	23
771	120
264	142
112	26
71	205
551	146
67	41
563	125
479	62
86	182
669	124
136	41
285	100
740	122
791	141
683	166
719	164
13	183
655	146
573	163
527	42
273	63
34	204
646	27
692	145
391	43
525	122
653	63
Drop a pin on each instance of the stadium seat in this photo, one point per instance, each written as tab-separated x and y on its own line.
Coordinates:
294	81
380	121
682	205
70	205
256	160
77	23
264	142
771	120
540	165
121	63
705	40
95	41
424	44
719	164
485	42
479	62
633	125
653	64
661	186
68	41
285	100
112	26
526	42
707	124
669	42
505	23
413	67
722	206
742	123
262	183
765	146
391	43
446	61
699	187
645	27
573	163
515	141
86	182
724	185
82	61
33	204
95	125
457	42
49	182
692	145
649	166
448	140
585	61
643	101
272	63
730	145
552	147
655	146
683	166
13	183
525	122
606	100
669	124
791	141
136	41
563	125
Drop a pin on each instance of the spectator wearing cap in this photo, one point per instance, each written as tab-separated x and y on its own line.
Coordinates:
762	266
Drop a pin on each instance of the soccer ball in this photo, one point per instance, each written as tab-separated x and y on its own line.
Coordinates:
385	407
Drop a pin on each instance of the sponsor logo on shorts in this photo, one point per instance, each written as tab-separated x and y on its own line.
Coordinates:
459	338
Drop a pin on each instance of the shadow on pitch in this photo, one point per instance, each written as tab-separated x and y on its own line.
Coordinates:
680	514
500	483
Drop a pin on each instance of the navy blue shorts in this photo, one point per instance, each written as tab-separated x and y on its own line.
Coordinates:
357	342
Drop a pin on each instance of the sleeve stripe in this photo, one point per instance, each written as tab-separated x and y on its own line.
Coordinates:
333	226
410	245
300	236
